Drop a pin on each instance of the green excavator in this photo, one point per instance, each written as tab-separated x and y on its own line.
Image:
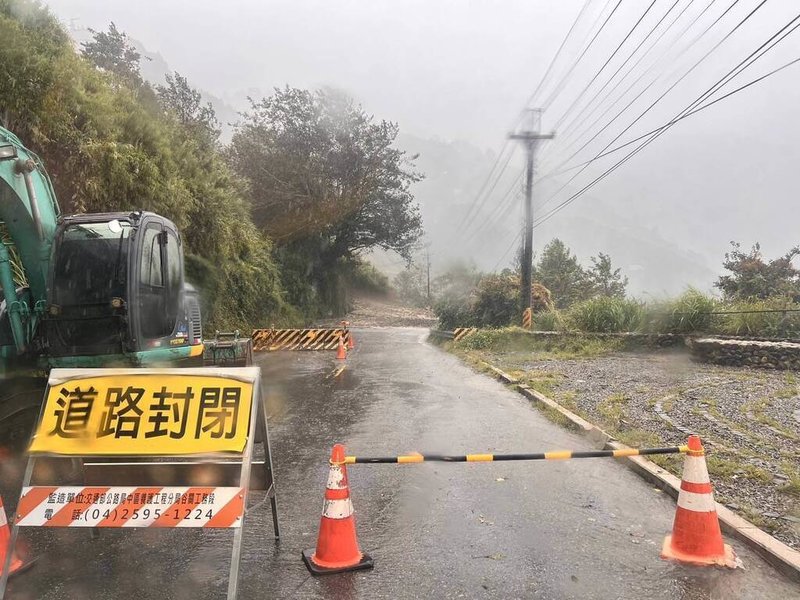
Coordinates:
88	290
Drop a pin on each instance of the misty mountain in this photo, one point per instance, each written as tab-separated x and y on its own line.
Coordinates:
454	173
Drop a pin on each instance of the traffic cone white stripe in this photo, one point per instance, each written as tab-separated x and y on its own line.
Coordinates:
696	502
3	518
695	471
336	478
337	509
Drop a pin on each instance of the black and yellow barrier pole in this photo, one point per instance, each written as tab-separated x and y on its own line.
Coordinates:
554	455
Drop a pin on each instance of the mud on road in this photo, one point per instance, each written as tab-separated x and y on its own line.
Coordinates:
383	312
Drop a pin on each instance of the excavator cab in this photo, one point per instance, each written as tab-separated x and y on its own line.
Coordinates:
116	288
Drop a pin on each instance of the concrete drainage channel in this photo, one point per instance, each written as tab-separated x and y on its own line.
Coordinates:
775	552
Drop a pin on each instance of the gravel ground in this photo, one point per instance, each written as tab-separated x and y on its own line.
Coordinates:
749	419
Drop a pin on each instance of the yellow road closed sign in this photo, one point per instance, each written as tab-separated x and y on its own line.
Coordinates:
150	413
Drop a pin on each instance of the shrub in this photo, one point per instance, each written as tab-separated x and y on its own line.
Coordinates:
548	320
605	315
453	311
689	313
493	303
761	324
496	301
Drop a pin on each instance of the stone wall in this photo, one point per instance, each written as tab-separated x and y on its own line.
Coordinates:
720	350
746	353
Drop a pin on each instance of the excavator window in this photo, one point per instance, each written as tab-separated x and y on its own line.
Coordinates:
90	270
174	279
153	294
152	272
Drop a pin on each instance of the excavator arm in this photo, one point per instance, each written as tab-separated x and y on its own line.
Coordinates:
28	217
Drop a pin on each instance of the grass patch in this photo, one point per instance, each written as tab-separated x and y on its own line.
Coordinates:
689	313
544	382
757	409
517	374
568	399
606	315
612	409
786	393
638	438
669	462
791	487
752	515
727	469
555	416
515	339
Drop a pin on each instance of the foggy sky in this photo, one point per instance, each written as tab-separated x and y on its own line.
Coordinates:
461	70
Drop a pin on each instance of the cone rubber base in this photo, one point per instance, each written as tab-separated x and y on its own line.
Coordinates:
729	559
366	562
27	564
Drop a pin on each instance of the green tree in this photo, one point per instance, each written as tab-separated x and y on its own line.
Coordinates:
112	52
108	147
412	285
604	279
754	277
186	104
32	42
559	271
326	183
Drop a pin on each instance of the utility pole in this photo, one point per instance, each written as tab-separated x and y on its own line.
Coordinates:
428	263
529	135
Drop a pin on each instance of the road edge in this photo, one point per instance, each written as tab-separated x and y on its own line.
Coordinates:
779	555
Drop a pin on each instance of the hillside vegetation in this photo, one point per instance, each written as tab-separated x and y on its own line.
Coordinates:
760	297
113	142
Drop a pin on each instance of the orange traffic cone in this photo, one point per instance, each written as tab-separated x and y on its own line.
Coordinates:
341	351
696	538
351	343
337	547
17	564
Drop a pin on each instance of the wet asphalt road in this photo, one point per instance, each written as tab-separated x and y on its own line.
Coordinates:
567	529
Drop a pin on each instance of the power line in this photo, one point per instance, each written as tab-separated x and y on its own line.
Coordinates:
569	128
557	54
737	312
689	114
502	258
506	201
472	213
648	86
657	100
575	125
466	223
732	73
605	64
554	94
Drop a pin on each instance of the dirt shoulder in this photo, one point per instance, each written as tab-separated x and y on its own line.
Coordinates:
749	419
384	312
